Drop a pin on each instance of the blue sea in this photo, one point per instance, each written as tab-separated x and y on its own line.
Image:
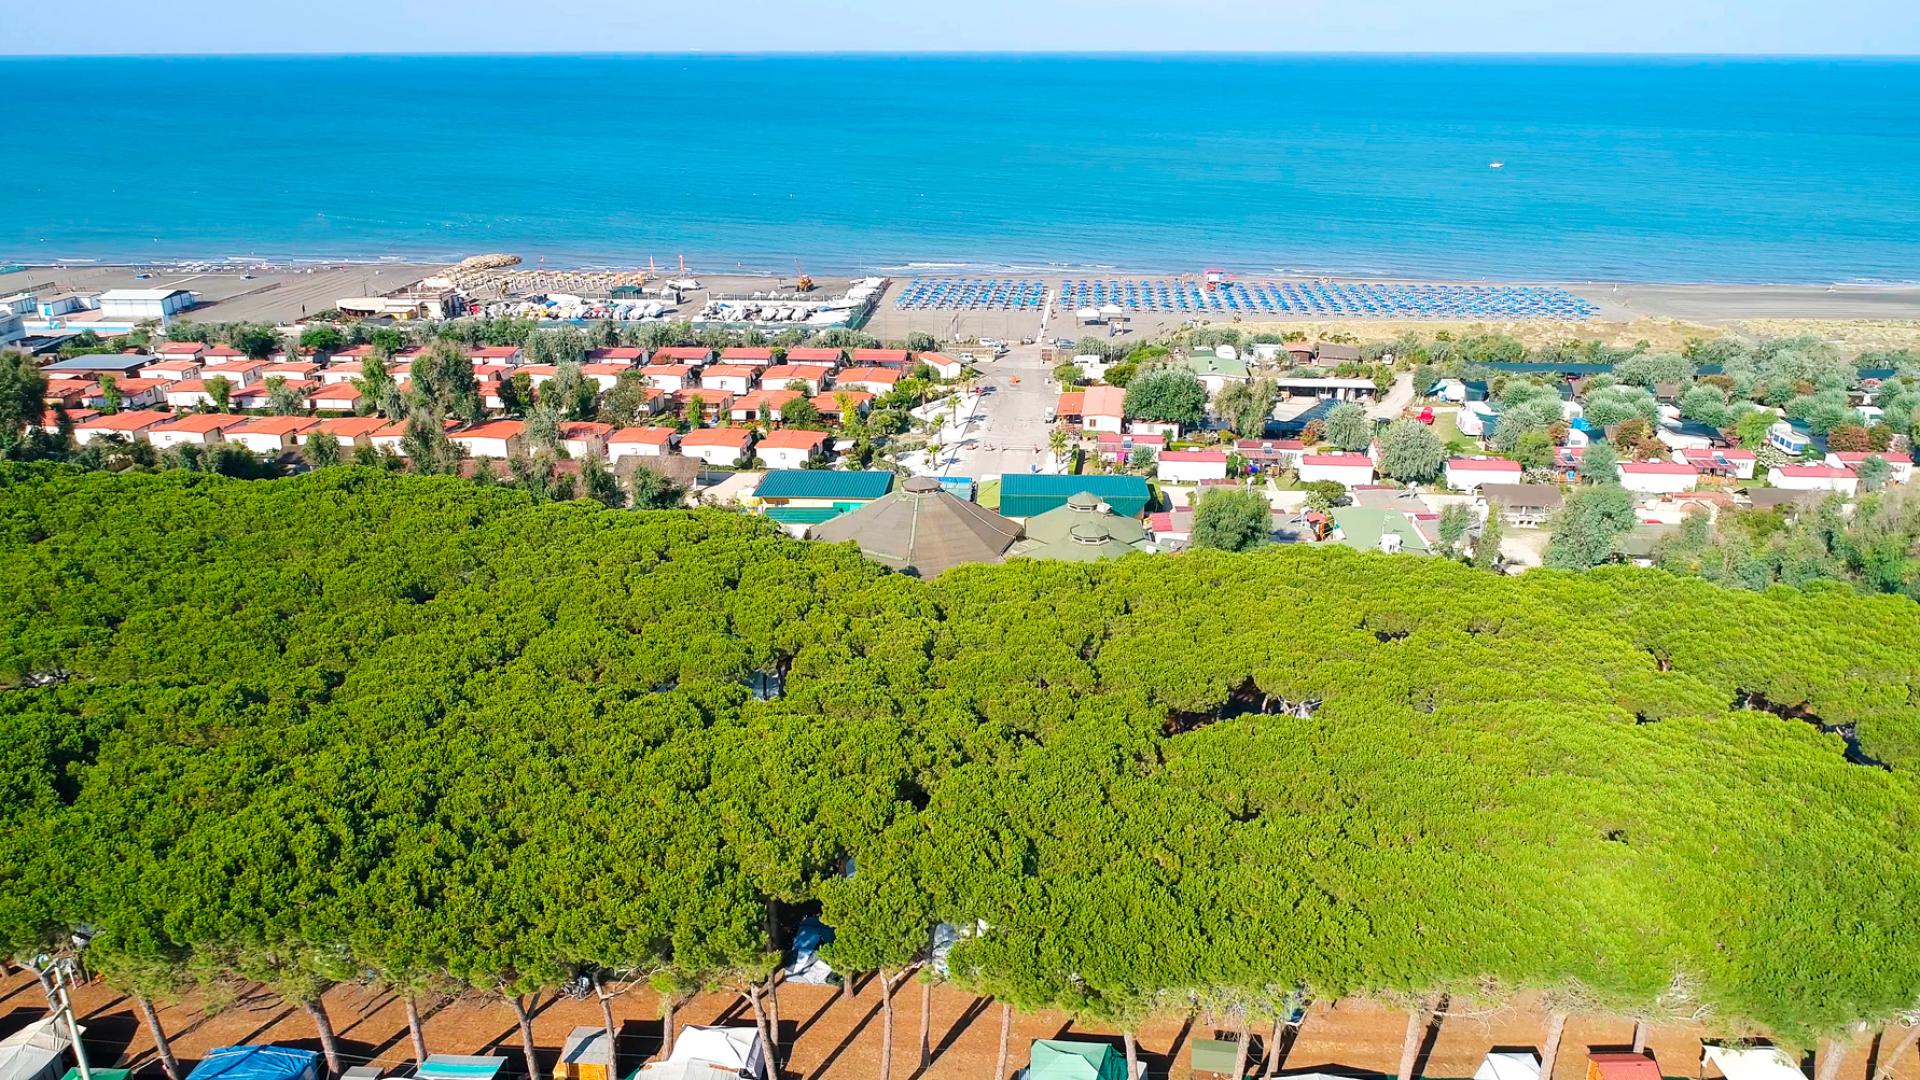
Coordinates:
1669	169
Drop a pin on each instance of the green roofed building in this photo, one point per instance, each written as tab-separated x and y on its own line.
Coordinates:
798	498
1070	1059
1025	495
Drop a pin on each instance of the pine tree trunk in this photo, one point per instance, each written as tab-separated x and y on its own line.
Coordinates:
1133	1056
1410	1047
666	1026
1273	1048
329	1046
413	1029
1550	1045
926	1017
760	1025
1639	1036
526	1034
161	1046
1240	1050
773	1007
1006	1032
886	1025
606	1016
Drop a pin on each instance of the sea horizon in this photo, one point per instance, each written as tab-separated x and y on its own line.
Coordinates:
1735	169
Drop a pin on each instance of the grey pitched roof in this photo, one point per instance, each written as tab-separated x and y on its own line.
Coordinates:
922	529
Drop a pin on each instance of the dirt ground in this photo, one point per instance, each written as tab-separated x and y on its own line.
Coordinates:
825	1036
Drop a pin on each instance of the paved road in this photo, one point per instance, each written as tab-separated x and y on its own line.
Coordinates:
1011	434
1399	396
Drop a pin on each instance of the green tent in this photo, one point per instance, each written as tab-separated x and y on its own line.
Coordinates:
1065	1059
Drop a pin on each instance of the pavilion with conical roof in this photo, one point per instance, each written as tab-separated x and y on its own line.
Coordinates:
922	529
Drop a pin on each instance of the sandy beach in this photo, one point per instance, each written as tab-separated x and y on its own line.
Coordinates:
1666	315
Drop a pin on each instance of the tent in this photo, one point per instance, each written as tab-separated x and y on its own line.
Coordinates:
1071	1059
710	1053
257	1063
1751	1063
1509	1065
35	1052
807	967
459	1067
99	1074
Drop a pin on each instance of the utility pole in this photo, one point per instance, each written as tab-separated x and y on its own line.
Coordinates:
61	1002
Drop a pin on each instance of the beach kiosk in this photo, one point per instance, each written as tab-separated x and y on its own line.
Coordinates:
459	1067
710	1053
586	1055
1749	1063
35	1052
1622	1066
257	1063
1509	1065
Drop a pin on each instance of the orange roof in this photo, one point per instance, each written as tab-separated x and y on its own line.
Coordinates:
937	359
1104	401
788	372
793	439
492	429
188	386
608	355
645	436
201	423
810	354
584	429
1072	403
180	348
775	398
683	352
496	352
345	391
715	437
681	370
737	371
879	356
1620	1066
1338	459
132	420
276	425
224	350
745	352
829	402
350	427
605	369
869	374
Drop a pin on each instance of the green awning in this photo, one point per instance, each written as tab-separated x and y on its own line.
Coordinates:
1066	1059
100	1074
803	515
1215	1055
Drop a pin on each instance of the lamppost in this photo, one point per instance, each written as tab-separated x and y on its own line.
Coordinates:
56	975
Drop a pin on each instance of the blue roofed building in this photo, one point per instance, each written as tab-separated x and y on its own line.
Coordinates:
257	1063
801	498
1025	495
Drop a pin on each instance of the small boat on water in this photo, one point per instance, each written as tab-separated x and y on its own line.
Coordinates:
1496	164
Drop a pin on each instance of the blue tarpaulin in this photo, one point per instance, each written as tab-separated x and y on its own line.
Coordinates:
257	1063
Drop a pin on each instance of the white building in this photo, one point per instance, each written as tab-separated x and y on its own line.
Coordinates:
1658	477
269	435
1349	470
198	429
640	442
1900	464
1467	474
716	446
1815	478
133	305
1191	466
733	379
493	439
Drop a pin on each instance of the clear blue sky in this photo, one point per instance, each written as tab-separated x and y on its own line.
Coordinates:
1687	26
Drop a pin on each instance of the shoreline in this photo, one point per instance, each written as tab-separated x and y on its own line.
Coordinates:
282	262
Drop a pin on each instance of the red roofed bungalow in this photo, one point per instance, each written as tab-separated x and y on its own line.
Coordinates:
814	355
1071	407
750	406
270	434
683	354
340	397
755	355
790	448
874	380
616	355
350	430
716	446
496	354
640	442
132	424
896	359
828	404
1622	1066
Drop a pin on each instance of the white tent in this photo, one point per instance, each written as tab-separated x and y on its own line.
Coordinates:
710	1053
35	1052
1113	310
1751	1063
1087	314
1509	1065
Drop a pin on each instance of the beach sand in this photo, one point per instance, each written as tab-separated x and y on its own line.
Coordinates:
1856	317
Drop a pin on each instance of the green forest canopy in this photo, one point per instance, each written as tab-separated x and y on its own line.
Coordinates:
424	728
